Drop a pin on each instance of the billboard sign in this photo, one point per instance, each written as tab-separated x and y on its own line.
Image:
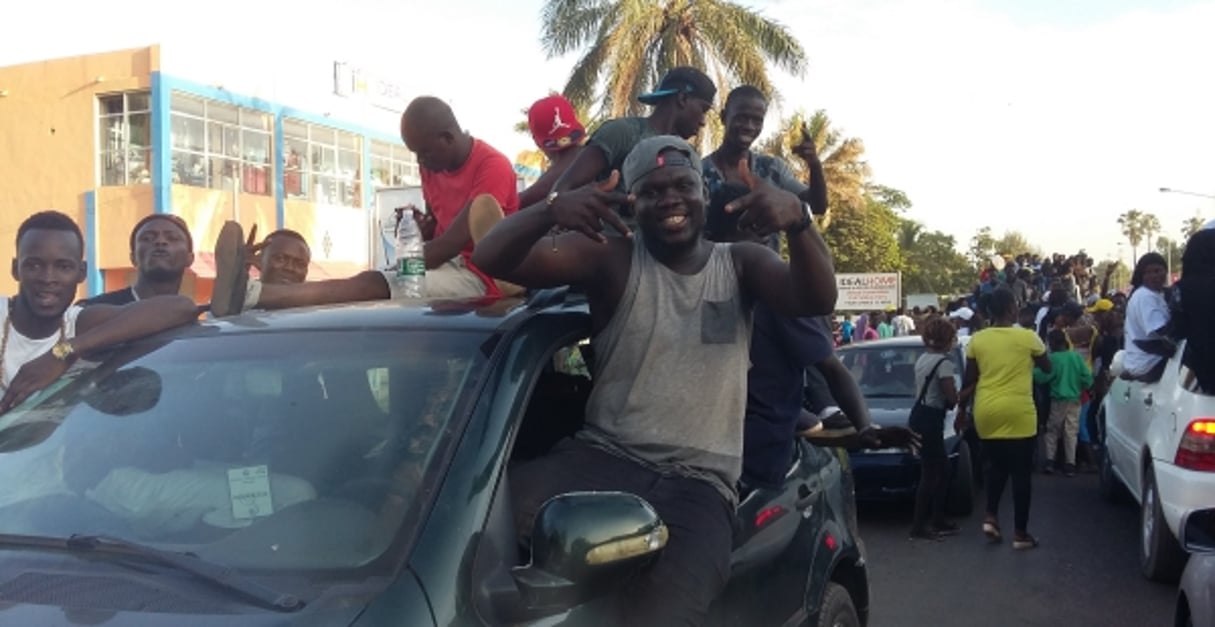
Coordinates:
873	291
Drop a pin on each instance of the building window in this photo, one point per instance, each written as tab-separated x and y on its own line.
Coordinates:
220	146
393	166
124	138
322	164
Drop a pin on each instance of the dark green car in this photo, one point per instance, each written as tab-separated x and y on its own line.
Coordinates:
346	466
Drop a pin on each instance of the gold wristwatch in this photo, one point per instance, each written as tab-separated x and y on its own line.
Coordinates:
63	350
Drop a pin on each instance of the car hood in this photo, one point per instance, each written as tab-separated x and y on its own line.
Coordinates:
28	614
889	412
893	412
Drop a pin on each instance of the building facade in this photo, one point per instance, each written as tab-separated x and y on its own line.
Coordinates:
110	138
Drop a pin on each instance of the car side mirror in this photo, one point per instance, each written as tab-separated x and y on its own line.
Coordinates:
1198	531
584	545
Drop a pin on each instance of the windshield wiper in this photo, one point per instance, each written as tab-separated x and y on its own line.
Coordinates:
217	574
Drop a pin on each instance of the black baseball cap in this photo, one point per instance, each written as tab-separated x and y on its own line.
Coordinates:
681	80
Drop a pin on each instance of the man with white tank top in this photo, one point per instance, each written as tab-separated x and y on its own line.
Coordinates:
671	322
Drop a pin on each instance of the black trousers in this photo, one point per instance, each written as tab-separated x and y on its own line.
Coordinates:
934	468
695	565
1010	459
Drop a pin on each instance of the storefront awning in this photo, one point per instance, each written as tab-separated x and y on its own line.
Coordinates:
204	268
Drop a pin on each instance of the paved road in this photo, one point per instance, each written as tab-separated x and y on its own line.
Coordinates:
1085	572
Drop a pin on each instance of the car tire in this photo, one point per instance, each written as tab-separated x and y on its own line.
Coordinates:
960	500
837	609
1108	485
1160	555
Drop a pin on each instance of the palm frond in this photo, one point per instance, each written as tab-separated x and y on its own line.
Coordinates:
567	25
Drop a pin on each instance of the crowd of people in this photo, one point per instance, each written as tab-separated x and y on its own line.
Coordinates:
655	236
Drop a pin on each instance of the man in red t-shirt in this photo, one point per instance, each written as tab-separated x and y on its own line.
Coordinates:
468	187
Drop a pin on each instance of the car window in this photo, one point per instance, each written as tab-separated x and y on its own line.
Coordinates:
263	451
883	371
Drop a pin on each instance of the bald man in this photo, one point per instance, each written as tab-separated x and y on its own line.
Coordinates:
468	187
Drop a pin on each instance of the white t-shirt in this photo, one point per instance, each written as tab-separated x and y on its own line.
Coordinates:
21	350
903	325
1146	312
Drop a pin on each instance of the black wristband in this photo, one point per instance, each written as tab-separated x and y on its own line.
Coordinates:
803	225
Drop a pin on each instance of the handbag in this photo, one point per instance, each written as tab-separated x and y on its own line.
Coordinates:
924	419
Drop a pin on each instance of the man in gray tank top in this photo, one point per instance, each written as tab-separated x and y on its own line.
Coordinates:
671	318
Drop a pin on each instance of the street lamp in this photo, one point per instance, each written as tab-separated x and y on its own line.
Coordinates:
1169	190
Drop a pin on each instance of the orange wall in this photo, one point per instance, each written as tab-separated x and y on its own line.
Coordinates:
48	125
118	209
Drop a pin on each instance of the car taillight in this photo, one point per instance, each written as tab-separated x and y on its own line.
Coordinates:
1197	448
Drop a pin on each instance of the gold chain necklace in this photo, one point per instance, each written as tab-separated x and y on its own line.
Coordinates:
8	327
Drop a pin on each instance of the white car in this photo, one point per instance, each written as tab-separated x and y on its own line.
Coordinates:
1196	594
1160	445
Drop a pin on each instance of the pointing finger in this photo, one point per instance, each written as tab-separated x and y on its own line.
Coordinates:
252	236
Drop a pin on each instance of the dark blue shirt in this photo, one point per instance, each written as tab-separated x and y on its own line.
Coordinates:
781	349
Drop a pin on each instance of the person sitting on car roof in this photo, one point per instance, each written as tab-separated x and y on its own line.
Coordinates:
468	185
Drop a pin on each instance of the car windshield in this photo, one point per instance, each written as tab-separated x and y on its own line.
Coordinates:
264	451
884	371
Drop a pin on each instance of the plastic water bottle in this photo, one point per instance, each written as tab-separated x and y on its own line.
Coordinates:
411	261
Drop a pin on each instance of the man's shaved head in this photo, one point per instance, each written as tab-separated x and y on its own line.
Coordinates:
430	129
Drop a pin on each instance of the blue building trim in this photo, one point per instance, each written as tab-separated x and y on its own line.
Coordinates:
93	283
280	168
162	132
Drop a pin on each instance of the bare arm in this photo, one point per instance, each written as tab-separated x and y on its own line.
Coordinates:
583	171
369	285
548	180
806	285
949	390
845	391
100	326
1043	362
816	194
518	250
445	247
97	327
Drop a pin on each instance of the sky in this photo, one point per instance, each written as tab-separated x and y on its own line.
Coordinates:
1042	116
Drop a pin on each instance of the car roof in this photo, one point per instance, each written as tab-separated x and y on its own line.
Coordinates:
487	315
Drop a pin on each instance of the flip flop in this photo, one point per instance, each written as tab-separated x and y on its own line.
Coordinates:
231	271
992	531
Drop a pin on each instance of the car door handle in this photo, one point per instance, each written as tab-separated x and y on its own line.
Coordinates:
805	496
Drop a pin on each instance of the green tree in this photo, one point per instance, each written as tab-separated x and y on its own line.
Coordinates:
982	246
1191	226
1172	250
1131	222
931	262
862	240
1150	225
627	45
1013	243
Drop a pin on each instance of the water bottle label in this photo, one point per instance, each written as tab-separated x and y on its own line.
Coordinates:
411	266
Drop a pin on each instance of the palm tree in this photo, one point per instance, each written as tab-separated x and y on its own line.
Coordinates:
1150	227
1131	222
844	167
909	235
627	45
1191	226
